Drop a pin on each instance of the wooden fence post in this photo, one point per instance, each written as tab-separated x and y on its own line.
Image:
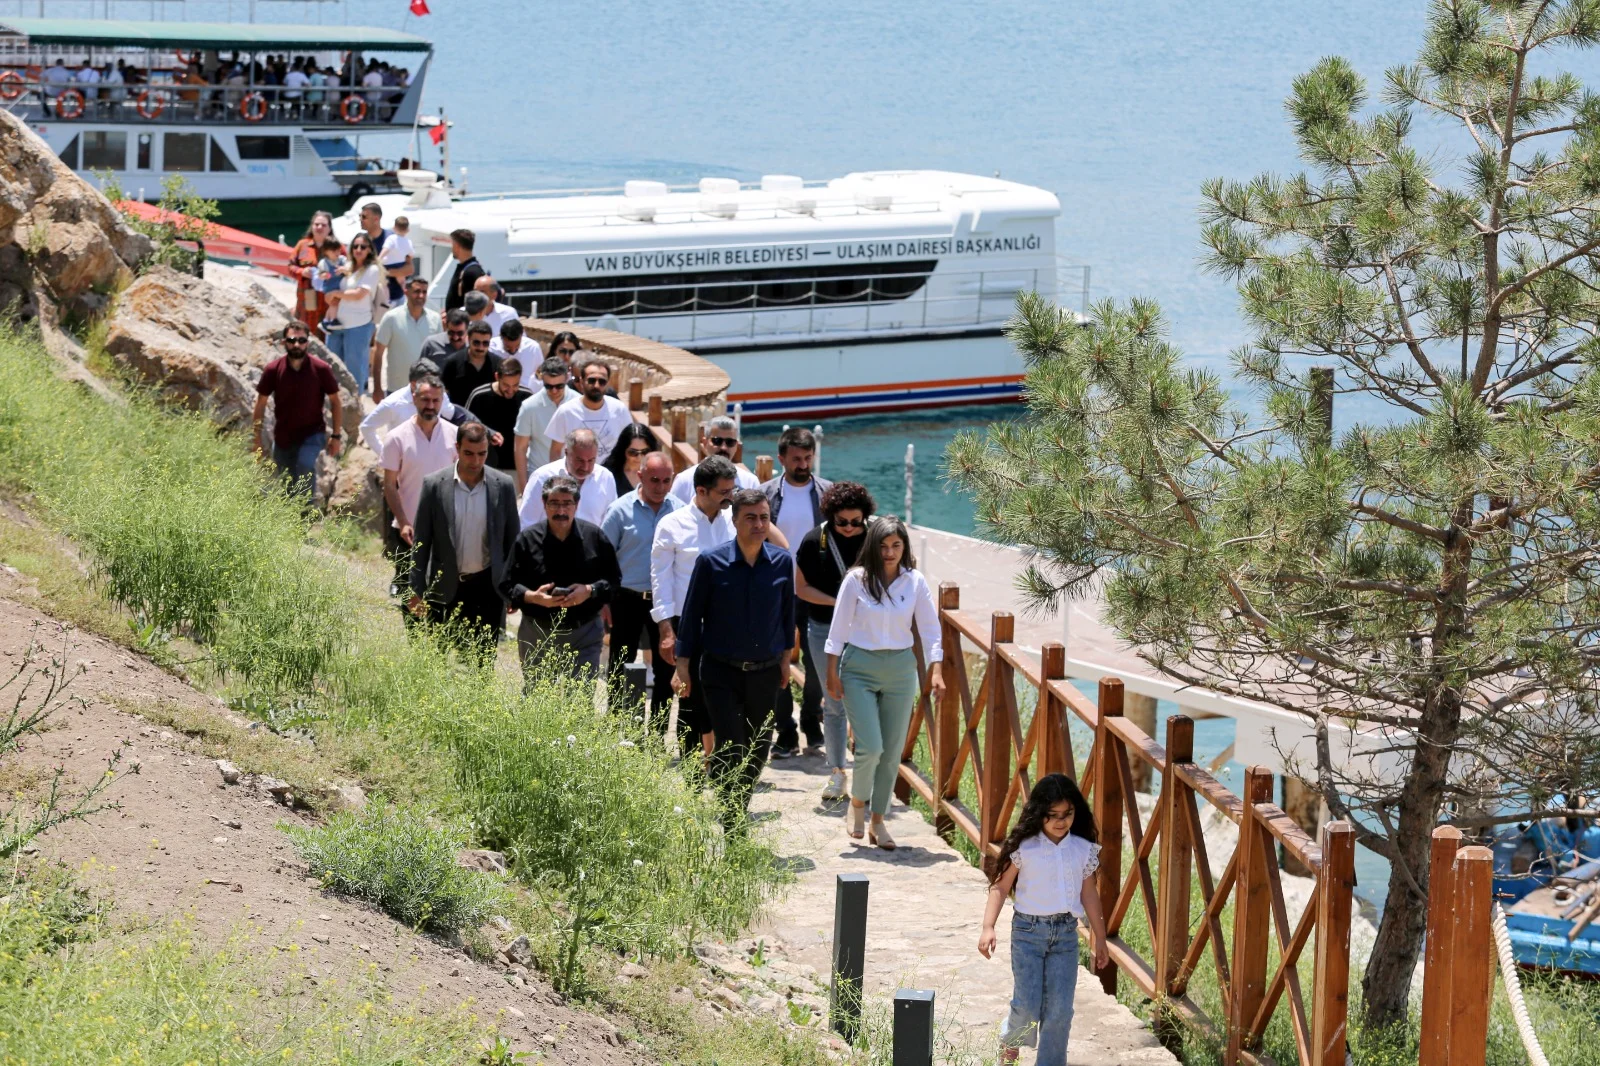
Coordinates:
996	738
1330	996
654	415
1177	860
1471	956
1252	913
1435	1046
1107	804
1055	749
636	395
680	424
763	468
948	726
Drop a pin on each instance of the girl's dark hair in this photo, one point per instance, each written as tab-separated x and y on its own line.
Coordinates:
847	496
870	559
617	461
1051	790
564	337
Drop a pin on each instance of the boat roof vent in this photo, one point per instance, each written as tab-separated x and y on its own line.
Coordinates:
874	201
798	202
781	183
644	188
719	197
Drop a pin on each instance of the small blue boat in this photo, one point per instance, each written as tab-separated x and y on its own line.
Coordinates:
1547	877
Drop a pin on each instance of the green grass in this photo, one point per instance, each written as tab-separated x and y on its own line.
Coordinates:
402	860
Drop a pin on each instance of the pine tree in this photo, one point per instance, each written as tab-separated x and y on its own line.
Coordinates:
1431	576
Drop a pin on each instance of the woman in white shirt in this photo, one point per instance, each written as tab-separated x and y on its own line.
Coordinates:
350	338
872	665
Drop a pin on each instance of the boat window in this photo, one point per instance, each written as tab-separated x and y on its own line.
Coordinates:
263	147
143	152
105	150
723	290
219	158
69	154
183	151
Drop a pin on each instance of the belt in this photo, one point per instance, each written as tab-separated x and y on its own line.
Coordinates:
645	595
748	666
475	573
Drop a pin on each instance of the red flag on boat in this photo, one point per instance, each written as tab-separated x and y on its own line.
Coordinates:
436	133
419	7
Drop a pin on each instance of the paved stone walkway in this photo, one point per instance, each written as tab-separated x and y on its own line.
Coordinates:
924	910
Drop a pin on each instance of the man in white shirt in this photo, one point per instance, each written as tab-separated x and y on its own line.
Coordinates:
373	80
720	436
514	340
581	462
113	77
604	416
294	82
397	408
55	78
87	74
680	538
398	343
533	418
499	312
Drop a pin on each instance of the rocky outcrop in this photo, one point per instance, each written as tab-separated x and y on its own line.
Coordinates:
355	487
203	346
64	250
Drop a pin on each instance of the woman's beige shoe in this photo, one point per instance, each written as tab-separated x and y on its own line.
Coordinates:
856	820
879	834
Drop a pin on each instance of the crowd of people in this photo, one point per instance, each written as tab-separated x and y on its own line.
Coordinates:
551	503
216	82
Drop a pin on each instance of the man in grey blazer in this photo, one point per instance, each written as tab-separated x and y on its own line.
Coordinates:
465	526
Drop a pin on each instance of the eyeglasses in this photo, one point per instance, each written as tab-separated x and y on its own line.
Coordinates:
595	381
297	342
566	351
636	452
849	523
558	386
725	442
480	344
455	334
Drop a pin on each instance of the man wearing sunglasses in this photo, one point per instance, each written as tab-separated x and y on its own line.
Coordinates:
465	371
441	346
298	382
720	436
604	416
532	443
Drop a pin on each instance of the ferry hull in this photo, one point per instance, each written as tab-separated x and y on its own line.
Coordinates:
882	375
287	217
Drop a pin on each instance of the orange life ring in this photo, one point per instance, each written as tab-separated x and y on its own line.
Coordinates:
354	109
253	107
69	96
142	105
11	85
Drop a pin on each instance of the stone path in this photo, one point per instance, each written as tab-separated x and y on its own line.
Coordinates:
924	910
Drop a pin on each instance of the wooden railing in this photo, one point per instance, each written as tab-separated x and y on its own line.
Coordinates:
983	731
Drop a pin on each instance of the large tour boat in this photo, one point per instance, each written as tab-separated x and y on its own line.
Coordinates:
877	291
266	119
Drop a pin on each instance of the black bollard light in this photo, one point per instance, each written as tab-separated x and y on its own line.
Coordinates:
849	954
913	1027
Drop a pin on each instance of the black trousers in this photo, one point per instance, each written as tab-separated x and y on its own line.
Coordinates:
693	721
632	628
478	614
810	705
739	703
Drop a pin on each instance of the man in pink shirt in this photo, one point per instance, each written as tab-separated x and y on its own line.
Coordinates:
413	450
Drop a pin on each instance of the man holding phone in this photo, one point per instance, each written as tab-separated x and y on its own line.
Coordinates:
563	571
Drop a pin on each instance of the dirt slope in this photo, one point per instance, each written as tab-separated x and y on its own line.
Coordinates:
183	843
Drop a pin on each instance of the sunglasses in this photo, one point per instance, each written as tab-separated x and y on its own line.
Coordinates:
566	351
635	452
297	342
849	523
455	334
559	386
480	344
725	442
595	381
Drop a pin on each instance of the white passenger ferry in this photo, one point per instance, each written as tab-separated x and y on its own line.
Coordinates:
264	118
877	291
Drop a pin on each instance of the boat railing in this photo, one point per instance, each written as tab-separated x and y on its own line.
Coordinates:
616	190
857	303
627	212
166	103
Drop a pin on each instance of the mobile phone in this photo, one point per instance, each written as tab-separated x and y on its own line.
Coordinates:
563	591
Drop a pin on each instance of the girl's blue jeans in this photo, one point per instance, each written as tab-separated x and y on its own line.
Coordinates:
1044	974
353	346
835	727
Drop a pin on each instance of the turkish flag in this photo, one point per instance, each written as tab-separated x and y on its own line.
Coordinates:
435	133
419	7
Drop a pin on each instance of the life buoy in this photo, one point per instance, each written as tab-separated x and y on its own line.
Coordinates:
151	103
11	85
353	110
69	104
253	107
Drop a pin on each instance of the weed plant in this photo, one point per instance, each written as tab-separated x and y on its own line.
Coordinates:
402	860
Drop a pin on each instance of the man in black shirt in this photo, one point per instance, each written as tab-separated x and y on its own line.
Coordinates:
468	269
448	341
474	366
738	614
562	572
496	406
821	560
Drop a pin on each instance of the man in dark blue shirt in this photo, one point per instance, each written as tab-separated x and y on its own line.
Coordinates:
738	615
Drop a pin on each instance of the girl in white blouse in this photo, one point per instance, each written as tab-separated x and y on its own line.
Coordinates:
351	305
1049	861
872	666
